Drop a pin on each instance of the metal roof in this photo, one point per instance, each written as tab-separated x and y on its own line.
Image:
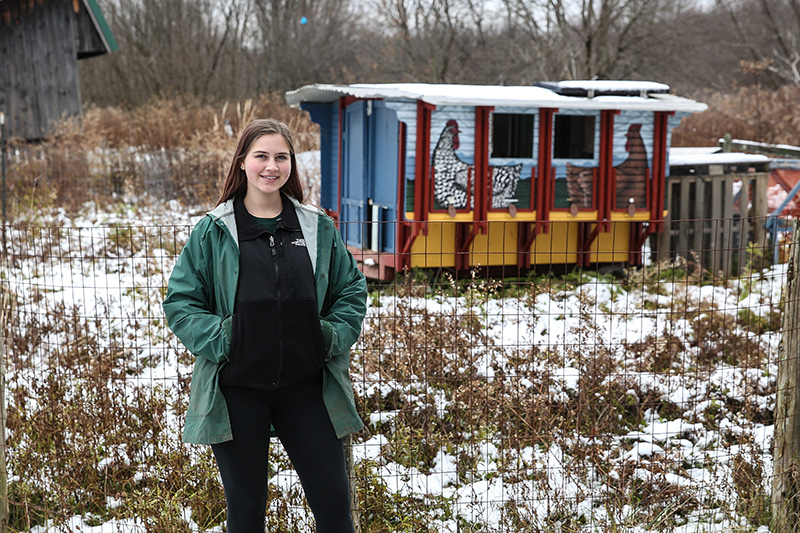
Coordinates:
681	156
101	25
650	96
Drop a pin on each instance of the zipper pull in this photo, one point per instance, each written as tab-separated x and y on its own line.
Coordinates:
272	244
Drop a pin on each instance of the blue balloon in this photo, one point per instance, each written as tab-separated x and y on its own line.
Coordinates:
303	20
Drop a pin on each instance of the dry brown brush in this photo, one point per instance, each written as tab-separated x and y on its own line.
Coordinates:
169	148
749	113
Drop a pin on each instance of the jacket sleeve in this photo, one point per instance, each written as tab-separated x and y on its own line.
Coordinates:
189	307
346	302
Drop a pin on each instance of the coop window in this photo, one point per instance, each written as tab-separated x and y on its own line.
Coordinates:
512	135
573	137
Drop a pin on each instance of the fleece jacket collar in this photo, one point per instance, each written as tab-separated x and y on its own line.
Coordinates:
307	217
249	228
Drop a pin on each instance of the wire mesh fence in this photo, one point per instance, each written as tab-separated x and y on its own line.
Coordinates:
546	399
551	399
72	177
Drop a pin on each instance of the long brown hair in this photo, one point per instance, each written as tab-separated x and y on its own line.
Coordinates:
236	181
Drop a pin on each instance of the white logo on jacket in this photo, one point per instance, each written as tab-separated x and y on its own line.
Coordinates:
299	242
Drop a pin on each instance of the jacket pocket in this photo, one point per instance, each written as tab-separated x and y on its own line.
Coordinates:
253	361
203	389
327	338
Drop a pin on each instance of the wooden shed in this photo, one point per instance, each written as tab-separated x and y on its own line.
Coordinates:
459	176
41	42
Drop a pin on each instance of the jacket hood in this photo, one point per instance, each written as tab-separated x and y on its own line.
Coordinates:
307	216
223	214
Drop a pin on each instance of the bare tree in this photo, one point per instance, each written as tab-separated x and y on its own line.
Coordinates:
768	33
169	46
434	40
596	38
534	37
304	41
235	49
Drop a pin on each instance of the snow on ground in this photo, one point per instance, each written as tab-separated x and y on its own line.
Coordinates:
681	450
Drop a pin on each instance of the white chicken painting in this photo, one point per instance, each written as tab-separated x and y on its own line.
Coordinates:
454	179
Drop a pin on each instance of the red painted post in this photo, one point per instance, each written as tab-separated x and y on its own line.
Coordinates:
483	179
422	171
544	189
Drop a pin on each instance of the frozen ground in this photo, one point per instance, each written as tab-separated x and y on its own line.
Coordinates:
691	451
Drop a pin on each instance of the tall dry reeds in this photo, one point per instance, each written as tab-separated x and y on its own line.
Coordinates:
178	122
170	148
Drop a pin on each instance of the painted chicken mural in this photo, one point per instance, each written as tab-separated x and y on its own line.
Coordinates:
454	179
580	182
632	173
631	176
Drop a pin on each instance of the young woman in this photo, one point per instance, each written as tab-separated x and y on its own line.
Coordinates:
269	300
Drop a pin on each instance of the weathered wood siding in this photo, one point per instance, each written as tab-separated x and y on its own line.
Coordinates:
38	65
710	225
89	42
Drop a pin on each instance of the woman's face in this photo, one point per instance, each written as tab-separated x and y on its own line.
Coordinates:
267	165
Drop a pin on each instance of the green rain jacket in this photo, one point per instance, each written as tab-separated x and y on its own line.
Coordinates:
200	299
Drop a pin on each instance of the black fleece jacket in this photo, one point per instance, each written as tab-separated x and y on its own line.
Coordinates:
276	337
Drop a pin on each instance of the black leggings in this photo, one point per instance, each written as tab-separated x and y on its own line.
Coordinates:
301	421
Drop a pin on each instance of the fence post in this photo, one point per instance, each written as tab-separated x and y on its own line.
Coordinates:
4	295
355	511
786	451
3	171
4	316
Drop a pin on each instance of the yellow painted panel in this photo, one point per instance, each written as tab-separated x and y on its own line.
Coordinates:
444	217
437	248
566	216
639	216
497	247
612	246
504	216
558	246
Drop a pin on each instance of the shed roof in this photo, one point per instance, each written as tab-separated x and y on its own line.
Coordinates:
101	25
650	96
681	156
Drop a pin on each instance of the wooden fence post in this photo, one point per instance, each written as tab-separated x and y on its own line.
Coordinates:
4	316
355	511
786	450
4	300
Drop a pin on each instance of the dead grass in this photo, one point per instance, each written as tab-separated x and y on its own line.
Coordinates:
177	146
525	404
169	148
177	122
85	432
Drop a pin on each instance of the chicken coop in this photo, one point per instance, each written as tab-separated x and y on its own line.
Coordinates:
457	177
